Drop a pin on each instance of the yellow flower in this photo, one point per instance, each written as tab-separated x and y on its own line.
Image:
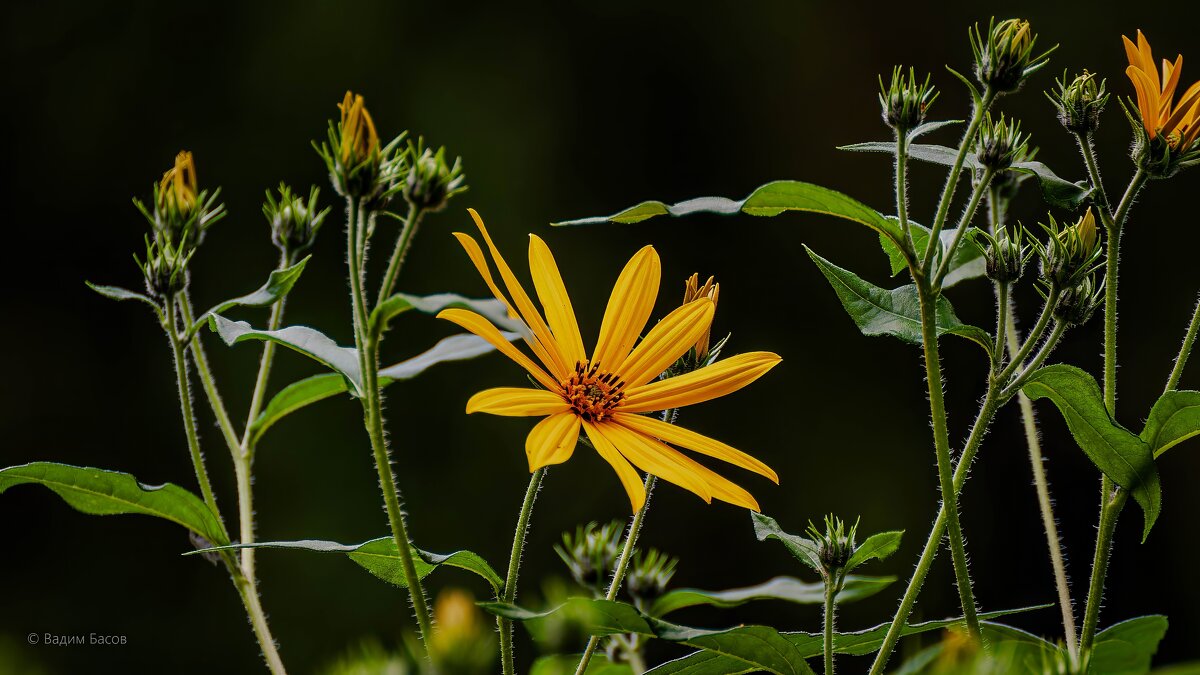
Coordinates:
608	393
692	291
359	141
177	190
1179	124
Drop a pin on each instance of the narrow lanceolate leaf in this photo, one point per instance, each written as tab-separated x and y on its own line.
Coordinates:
310	390
381	558
1056	191
399	303
753	648
1114	450
1128	647
99	493
930	127
875	547
307	341
878	311
789	589
809	645
278	285
967	262
1174	418
771	199
805	549
116	293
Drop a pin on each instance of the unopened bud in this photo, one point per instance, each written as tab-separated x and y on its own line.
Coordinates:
835	544
1078	303
1005	255
1079	102
1005	57
694	290
294	222
590	552
1000	143
650	574
431	181
1071	252
905	100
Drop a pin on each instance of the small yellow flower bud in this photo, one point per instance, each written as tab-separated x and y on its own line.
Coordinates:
1016	35
1089	236
692	291
177	190
359	141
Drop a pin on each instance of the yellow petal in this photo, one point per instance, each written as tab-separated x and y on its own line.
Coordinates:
685	438
1147	104
653	457
670	339
629	477
1182	113
552	441
1147	65
517	402
553	293
629	309
1170	78
555	360
1131	52
484	329
723	377
475	253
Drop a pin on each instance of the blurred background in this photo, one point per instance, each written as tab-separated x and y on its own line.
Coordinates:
560	111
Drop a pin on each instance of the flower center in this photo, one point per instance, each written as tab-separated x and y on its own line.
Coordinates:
593	393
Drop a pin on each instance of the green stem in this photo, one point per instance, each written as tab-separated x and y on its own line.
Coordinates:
902	190
264	366
1113	499
987	411
1185	350
964	147
1031	340
614	586
937	410
514	567
1048	346
399	251
224	423
830	595
1002	314
368	350
963	223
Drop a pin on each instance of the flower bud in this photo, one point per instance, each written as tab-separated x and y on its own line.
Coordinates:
431	182
1000	143
1071	252
1005	255
294	222
164	268
904	100
1078	303
693	291
649	575
1005	57
359	141
1079	102
590	553
835	545
181	213
358	166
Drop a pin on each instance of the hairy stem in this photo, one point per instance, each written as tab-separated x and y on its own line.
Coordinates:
1185	350
514	568
902	189
963	223
830	611
399	251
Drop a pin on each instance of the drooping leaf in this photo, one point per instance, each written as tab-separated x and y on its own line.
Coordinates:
1174	418
117	293
806	550
1127	648
967	263
99	492
897	312
875	547
930	127
809	645
295	396
493	309
789	589
307	341
1114	450
757	647
565	664
278	285
381	558
771	199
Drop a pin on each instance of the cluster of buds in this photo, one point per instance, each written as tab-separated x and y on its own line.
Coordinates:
835	545
1001	143
294	221
179	217
431	181
359	167
649	575
905	100
590	552
1005	254
1079	102
1005	57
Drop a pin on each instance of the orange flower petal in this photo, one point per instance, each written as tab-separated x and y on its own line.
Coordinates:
629	309
685	438
630	479
484	329
557	304
552	441
517	402
670	339
723	377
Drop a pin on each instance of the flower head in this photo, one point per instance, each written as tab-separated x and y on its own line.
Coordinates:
177	189
609	392
359	142
181	212
1178	123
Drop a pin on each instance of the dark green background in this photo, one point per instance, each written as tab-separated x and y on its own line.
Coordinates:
562	110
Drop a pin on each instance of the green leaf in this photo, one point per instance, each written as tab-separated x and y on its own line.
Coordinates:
967	263
278	285
1174	418
307	341
897	312
99	492
876	547
1123	457
493	309
565	664
116	293
1127	648
790	589
756	647
930	127
320	387
381	558
1189	668
771	199
806	550
809	645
